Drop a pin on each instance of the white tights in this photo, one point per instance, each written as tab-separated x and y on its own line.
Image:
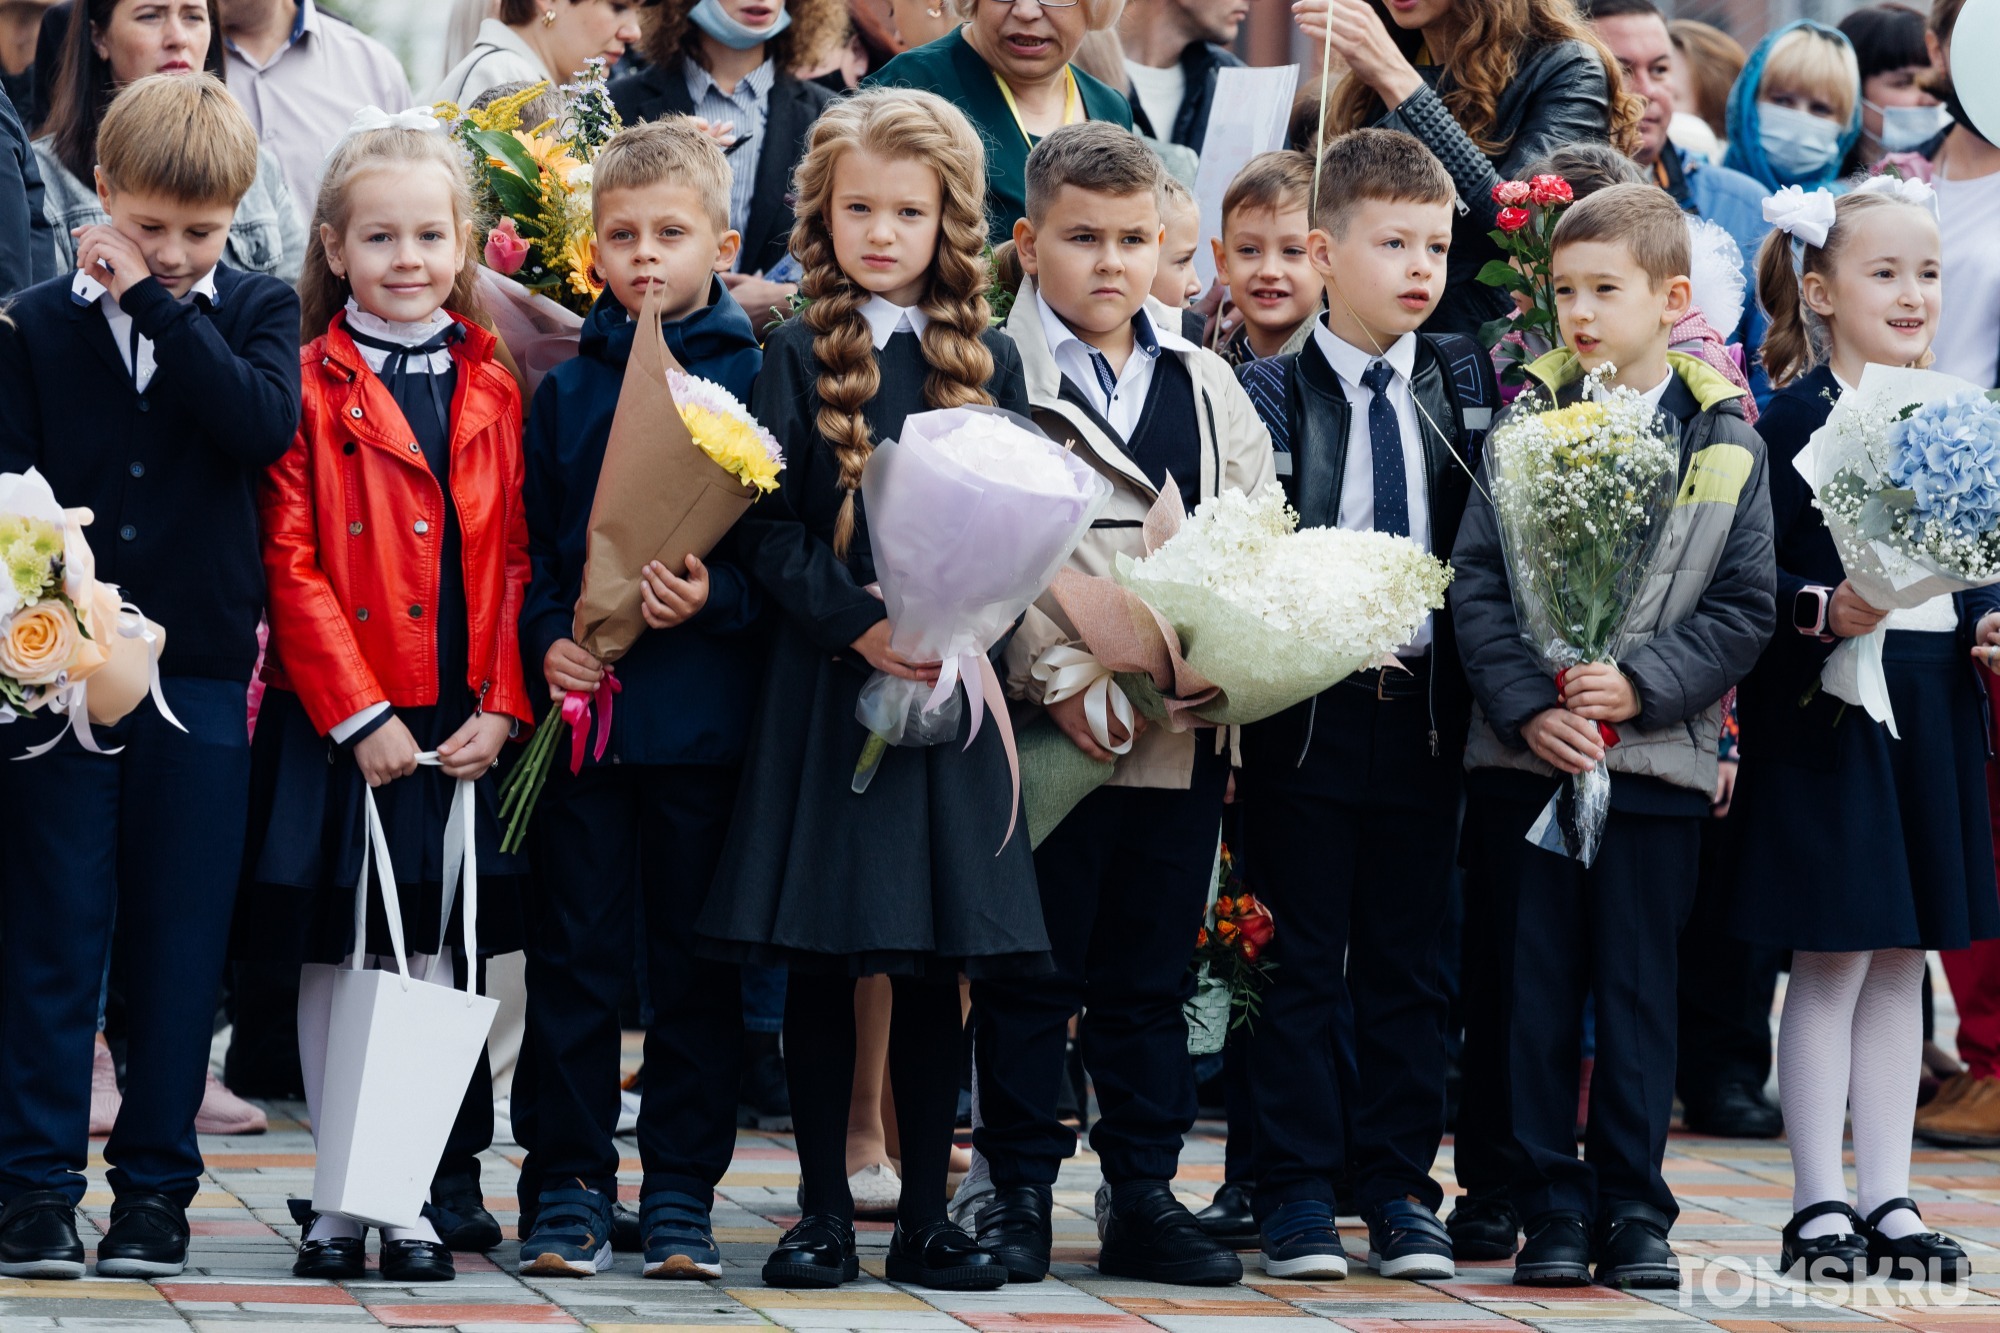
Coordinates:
314	1019
1852	1038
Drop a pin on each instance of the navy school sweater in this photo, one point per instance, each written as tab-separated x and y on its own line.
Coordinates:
170	474
688	690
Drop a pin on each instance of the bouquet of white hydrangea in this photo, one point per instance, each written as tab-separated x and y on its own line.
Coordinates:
1581	494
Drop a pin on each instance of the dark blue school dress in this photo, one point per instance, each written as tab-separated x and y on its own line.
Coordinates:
1846	839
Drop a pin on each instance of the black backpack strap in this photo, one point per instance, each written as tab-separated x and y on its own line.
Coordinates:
1475	391
1268	381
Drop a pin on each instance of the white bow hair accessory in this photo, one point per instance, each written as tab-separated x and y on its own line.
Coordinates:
1906	188
1803	217
371	118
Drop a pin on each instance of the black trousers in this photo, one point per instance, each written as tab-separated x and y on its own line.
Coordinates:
1123	881
1485	1158
1351	832
591	827
1608	932
1726	988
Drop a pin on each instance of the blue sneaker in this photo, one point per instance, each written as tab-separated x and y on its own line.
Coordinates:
679	1241
572	1236
1406	1239
1300	1240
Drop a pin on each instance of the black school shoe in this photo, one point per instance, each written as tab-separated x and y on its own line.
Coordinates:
458	1211
1482	1226
1557	1253
38	1236
1735	1111
818	1252
942	1257
1150	1235
1015	1226
148	1238
415	1261
1923	1257
1229	1219
1841	1257
342	1259
1632	1248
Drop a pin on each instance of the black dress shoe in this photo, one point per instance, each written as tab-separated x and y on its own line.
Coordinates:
1632	1248
942	1257
416	1261
1842	1257
1228	1218
626	1237
818	1252
1482	1226
1015	1226
1557	1253
458	1211
1735	1111
38	1236
148	1238
1150	1235
341	1259
1925	1256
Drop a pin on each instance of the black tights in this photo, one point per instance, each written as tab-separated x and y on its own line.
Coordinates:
924	1034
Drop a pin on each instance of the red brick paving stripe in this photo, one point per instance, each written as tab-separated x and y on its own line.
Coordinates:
1433	1325
1000	1322
1510	1294
1149	1305
275	1293
444	1316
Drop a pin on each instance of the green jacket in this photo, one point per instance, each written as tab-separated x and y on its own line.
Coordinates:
954	71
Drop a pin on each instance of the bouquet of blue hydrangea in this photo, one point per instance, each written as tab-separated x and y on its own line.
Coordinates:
1906	471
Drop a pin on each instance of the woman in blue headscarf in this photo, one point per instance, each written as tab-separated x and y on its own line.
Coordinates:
1795	112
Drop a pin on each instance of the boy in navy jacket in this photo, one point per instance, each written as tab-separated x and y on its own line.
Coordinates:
663	792
152	386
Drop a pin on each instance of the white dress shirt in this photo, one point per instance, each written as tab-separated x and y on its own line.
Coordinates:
1125	401
1357	486
134	348
886	319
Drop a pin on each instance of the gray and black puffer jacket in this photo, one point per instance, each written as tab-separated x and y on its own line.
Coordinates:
1704	614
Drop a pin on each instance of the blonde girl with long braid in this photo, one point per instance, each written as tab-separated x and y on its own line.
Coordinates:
902	880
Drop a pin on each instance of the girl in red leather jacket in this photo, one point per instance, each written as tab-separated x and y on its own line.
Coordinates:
395	546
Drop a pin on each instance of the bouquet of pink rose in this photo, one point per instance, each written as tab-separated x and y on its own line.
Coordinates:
1529	211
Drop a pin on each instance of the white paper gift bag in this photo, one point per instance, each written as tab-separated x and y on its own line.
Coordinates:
399	1049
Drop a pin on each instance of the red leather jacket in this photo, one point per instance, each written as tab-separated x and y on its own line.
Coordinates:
353	531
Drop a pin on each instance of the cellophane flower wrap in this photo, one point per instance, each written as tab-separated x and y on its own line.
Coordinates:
68	643
1229	964
1906	471
1581	494
971	512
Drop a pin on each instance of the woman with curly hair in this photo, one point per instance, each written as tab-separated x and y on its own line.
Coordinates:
837	886
735	63
1489	86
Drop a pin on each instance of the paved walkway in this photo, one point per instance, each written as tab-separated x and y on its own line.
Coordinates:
1734	1197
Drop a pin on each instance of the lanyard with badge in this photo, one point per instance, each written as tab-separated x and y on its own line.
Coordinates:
1072	103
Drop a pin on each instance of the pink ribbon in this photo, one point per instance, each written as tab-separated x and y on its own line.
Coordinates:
577	708
987	698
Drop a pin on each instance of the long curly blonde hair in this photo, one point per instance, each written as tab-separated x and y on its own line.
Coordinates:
1492	37
817	28
900	123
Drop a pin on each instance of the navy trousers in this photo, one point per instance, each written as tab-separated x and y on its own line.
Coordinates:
1350	826
598	834
1609	933
1122	882
151	837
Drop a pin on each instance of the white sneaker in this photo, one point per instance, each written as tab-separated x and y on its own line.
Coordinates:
877	1189
503	1122
628	1112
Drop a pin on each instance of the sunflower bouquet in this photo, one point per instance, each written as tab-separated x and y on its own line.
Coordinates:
535	182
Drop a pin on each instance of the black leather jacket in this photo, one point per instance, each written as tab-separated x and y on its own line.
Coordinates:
1199	63
1559	95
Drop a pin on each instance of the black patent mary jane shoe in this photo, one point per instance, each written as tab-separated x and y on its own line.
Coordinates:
1837	1258
942	1257
818	1252
1925	1256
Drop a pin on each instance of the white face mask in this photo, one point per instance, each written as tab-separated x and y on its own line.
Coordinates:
1907	127
1799	145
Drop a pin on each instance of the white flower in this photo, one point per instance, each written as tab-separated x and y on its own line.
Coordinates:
995	449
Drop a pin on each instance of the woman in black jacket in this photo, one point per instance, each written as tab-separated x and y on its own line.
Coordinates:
1489	86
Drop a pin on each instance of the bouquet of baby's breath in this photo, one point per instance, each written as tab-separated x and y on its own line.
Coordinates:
1581	494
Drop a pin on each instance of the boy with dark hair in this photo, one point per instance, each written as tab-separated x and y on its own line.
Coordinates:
1379	425
1608	931
1125	877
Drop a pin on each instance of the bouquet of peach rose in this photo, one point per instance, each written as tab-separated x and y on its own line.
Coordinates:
68	643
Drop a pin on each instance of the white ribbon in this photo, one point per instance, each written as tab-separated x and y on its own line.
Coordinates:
371	118
966	667
72	700
1906	188
1804	217
460	851
1066	672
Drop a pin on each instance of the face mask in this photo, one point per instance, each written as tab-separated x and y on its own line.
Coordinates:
714	20
1907	127
1799	146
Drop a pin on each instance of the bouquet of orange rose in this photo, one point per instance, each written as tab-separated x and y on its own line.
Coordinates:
1229	964
68	643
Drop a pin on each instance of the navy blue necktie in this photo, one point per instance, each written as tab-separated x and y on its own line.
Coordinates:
1385	447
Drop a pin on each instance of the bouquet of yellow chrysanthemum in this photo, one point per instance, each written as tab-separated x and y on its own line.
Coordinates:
61	631
684	461
535	183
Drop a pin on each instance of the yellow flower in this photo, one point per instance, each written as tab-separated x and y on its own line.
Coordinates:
503	113
733	445
579	257
551	154
1578	421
